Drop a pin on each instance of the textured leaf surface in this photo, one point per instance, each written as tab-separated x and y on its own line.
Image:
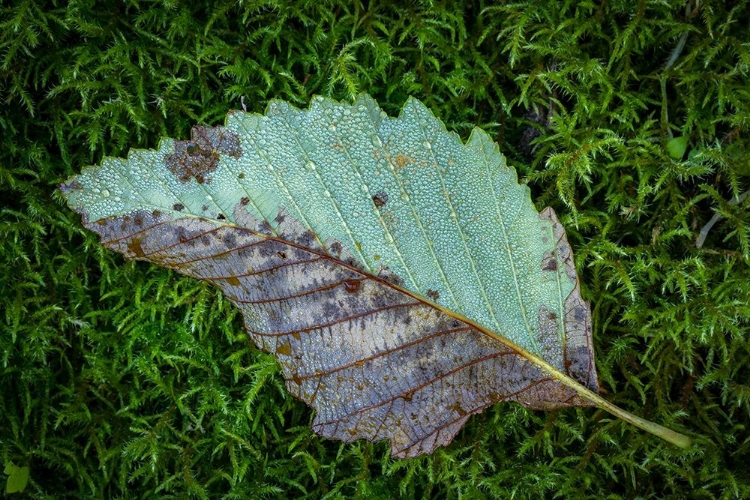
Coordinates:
403	279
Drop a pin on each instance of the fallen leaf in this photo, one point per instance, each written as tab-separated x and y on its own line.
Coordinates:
403	279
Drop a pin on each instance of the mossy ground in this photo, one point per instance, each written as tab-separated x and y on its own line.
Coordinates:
123	380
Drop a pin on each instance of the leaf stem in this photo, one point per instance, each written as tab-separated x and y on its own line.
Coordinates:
651	427
666	434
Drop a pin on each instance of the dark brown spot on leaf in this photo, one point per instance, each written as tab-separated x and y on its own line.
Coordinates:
282	255
380	199
134	245
284	349
196	158
233	280
351	286
549	261
244	200
179	207
433	294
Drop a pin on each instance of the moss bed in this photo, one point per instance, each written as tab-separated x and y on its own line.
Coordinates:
631	119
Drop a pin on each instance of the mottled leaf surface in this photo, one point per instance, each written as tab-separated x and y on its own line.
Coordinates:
404	280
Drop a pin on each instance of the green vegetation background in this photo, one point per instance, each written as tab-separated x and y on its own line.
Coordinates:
123	380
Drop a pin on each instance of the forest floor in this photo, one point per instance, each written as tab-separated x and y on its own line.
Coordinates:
631	119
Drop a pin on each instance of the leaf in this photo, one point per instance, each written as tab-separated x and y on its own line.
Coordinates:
676	147
404	280
18	478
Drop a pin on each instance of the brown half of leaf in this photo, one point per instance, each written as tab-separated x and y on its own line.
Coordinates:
374	360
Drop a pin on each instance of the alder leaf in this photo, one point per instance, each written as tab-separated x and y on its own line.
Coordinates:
403	279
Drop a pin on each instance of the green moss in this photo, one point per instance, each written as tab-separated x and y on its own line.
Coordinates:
124	380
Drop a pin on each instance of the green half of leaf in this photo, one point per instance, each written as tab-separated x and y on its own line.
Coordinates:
403	279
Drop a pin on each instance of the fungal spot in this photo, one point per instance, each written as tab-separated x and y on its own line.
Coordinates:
306	239
156	214
134	246
458	409
376	257
433	294
241	176
351	286
244	200
400	160
284	349
233	280
221	217
549	261
579	314
380	199
138	221
178	207
352	262
74	184
282	255
390	277
204	207
196	158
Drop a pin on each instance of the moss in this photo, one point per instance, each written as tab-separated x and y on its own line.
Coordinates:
124	380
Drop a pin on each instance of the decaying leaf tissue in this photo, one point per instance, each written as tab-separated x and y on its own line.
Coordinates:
403	279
